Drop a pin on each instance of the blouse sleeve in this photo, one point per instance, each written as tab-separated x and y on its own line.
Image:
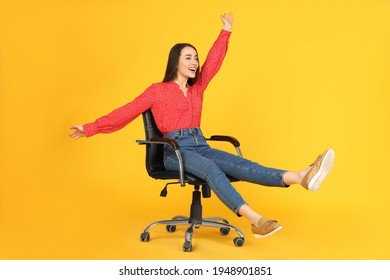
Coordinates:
214	60
122	116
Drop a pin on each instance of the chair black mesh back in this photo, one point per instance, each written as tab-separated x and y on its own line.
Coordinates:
155	152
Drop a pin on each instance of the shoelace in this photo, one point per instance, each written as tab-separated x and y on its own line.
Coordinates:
268	223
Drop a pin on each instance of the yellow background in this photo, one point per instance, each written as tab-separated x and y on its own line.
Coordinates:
299	77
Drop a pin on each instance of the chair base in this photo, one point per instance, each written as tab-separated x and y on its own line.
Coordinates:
195	221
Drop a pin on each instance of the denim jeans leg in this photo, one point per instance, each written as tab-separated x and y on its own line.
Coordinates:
246	170
208	171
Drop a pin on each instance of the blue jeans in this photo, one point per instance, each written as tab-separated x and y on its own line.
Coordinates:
212	166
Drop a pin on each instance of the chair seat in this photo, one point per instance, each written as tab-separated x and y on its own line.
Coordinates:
191	179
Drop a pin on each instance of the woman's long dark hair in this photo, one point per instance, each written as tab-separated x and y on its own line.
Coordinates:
173	62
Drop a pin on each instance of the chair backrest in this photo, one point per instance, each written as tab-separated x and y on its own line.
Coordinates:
154	152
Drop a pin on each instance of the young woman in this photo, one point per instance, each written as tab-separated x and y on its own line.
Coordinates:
176	104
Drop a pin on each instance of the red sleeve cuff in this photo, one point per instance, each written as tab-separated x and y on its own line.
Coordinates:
90	129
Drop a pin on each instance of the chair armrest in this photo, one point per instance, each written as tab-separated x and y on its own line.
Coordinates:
225	138
174	145
160	140
229	139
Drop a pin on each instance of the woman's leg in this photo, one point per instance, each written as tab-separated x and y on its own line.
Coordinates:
311	178
249	171
246	170
208	171
212	166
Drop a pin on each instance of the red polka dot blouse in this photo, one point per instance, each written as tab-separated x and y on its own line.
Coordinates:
171	109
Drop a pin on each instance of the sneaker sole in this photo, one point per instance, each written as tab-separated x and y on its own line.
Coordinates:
323	171
268	234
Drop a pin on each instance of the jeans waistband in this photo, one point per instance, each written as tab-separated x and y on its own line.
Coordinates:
181	132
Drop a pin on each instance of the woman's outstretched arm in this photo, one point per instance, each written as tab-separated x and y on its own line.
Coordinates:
216	54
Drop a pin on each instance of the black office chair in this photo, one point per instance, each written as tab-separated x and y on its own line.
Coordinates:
155	167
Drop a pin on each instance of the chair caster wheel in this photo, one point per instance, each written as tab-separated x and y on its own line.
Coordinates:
171	228
224	230
187	246
238	241
145	236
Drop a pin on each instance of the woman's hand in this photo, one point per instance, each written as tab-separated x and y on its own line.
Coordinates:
77	133
227	21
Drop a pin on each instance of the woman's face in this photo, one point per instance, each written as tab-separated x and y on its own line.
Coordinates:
188	63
